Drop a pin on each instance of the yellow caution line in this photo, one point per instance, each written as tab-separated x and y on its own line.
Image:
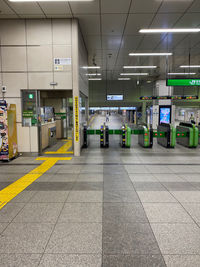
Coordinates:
63	150
11	191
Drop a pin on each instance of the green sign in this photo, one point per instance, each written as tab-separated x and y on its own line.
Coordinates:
27	114
30	96
183	82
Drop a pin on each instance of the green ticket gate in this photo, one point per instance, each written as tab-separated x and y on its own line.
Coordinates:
145	137
126	136
189	134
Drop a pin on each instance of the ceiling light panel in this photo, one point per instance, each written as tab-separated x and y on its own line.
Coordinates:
135	74
190	66
124	79
140	67
91	67
94	79
150	54
93	74
183	73
51	0
190	30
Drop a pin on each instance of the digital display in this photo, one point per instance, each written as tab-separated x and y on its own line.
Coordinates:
183	82
115	97
165	114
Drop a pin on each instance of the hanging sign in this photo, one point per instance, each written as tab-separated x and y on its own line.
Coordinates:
183	82
76	119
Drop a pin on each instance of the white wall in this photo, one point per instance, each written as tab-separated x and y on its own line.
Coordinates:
28	48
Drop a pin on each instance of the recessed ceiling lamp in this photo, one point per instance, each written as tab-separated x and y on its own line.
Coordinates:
51	0
93	74
140	67
184	73
94	79
91	67
191	30
124	79
134	74
150	54
190	66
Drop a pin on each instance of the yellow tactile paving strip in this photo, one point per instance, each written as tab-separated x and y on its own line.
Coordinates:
11	191
63	150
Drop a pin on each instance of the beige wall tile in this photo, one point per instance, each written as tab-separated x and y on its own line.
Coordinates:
64	80
14	83
62	31
13	58
40	58
39	32
12	34
40	80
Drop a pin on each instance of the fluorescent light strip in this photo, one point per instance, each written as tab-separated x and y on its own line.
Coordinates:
124	79
51	0
91	67
190	66
93	74
150	54
184	73
94	79
192	30
134	74
140	67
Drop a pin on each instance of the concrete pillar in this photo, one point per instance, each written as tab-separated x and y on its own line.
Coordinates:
162	90
144	112
75	86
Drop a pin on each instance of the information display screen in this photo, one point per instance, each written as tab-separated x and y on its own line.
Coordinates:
115	97
165	114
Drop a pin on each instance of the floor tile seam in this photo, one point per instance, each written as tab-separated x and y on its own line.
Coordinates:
149	224
53	229
9	223
184	208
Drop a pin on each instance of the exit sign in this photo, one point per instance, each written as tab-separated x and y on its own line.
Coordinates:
30	96
183	82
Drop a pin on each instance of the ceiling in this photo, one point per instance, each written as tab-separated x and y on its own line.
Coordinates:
110	29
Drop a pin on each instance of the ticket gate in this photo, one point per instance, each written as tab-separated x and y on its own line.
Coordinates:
168	139
145	137
126	137
190	134
104	136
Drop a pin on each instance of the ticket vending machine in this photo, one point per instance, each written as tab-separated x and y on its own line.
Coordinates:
8	131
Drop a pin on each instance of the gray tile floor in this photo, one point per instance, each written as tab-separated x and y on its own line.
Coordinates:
113	208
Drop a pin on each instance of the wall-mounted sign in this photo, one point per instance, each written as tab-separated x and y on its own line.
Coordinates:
76	118
62	61
183	82
190	97
27	114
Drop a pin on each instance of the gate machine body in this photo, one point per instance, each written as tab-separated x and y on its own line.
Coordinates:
104	136
8	131
126	137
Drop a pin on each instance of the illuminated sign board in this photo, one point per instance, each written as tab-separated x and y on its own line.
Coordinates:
115	97
177	97
183	82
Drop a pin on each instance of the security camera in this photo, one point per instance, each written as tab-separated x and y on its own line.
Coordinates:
3	89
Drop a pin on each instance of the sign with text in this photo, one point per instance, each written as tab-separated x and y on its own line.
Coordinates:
76	110
183	82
